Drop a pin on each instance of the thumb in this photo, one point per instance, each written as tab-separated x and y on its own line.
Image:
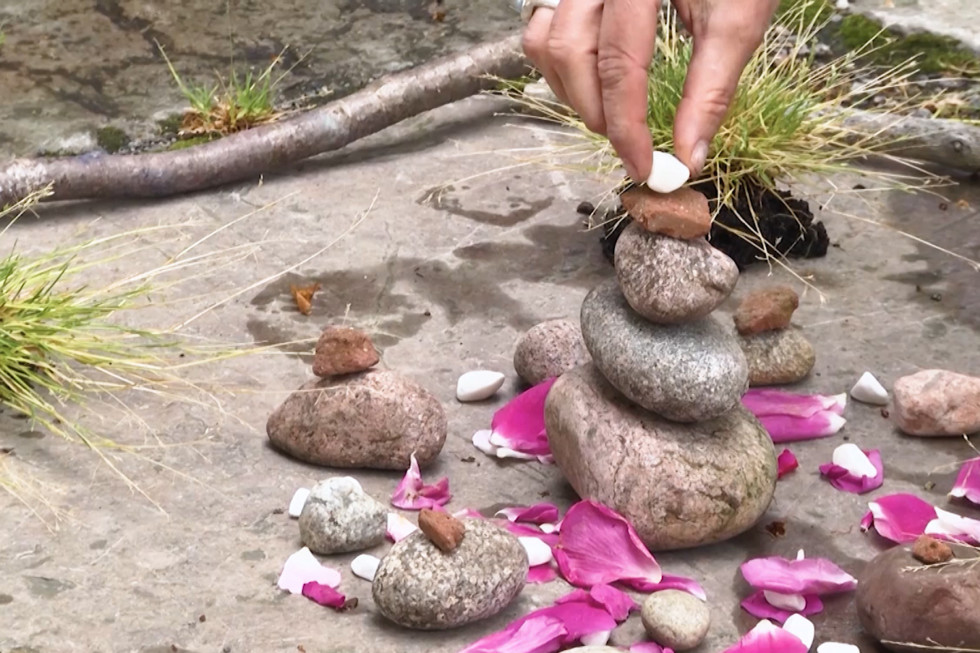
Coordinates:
717	62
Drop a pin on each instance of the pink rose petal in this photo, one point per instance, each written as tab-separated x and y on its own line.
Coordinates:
301	568
398	527
954	527
670	582
757	606
649	647
767	637
899	517
617	603
763	401
538	634
967	485
786	462
801	576
519	425
539	513
325	595
526	530
468	513
844	480
412	494
597	545
787	428
541	574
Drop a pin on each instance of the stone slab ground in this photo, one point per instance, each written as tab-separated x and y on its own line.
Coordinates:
444	285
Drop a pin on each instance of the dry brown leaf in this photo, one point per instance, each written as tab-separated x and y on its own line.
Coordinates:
303	296
963	204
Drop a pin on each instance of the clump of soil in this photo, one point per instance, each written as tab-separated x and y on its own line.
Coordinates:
786	224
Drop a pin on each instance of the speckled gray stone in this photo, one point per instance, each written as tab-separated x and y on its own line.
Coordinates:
681	485
372	420
676	619
684	372
339	516
778	357
668	280
419	586
549	349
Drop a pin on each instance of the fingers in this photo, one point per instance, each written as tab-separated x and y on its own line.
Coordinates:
723	45
573	46
626	44
535	44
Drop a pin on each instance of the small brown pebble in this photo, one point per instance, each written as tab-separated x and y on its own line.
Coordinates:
202	618
301	648
343	350
943	206
444	530
682	214
776	528
930	551
885	413
769	309
585	208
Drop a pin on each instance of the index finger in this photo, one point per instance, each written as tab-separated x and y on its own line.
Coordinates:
627	37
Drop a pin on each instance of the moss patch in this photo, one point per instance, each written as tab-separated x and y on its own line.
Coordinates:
111	139
170	125
185	143
932	53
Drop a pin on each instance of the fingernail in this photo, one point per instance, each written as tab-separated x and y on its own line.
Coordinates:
698	157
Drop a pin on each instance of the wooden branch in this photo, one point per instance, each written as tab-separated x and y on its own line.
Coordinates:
250	153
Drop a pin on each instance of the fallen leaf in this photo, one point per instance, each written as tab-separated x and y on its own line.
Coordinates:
303	296
963	204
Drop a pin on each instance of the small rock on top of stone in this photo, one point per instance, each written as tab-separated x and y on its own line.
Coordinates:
343	350
442	529
682	214
930	551
768	309
937	402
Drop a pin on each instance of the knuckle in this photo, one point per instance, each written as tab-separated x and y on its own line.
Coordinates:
615	66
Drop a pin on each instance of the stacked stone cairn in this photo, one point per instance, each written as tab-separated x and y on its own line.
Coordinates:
654	426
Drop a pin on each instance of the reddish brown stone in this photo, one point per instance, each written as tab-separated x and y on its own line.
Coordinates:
769	309
682	214
343	350
444	530
929	550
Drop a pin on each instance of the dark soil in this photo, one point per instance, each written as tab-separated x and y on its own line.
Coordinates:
786	224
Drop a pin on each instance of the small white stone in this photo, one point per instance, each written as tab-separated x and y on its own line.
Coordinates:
843	5
365	566
802	628
668	174
869	390
298	501
478	385
538	551
850	457
837	647
788	602
598	638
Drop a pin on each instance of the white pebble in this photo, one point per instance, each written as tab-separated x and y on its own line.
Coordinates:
788	602
850	457
598	638
365	566
837	647
668	174
802	628
478	385
869	390
538	551
843	5
298	501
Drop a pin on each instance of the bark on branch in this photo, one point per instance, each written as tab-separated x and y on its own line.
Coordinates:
250	153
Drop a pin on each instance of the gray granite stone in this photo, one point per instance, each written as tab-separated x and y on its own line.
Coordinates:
778	357
339	516
549	349
684	372
419	586
681	485
669	281
676	619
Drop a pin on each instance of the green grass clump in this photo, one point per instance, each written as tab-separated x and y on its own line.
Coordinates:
932	53
810	12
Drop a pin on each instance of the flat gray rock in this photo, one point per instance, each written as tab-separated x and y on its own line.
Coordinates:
778	357
370	420
419	586
681	485
669	281
685	372
339	516
549	349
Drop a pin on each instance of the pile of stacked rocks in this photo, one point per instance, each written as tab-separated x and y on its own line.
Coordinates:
777	352
653	426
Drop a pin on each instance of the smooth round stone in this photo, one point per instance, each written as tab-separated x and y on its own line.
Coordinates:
668	280
549	349
675	619
339	516
685	372
371	420
680	485
778	357
936	608
419	586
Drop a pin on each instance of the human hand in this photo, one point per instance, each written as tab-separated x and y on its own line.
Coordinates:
596	54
